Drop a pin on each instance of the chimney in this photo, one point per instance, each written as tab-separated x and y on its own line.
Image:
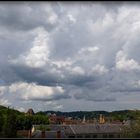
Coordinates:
59	134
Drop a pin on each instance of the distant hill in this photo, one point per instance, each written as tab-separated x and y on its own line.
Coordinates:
79	114
115	115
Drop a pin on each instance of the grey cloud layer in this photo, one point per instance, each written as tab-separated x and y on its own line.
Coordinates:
93	56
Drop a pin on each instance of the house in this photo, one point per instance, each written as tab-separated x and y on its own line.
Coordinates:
53	119
106	130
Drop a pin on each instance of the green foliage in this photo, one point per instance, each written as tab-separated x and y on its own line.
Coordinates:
1	123
132	131
26	122
125	115
40	119
43	127
9	127
40	113
20	122
12	120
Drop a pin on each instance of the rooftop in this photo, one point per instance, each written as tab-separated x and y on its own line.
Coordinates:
85	128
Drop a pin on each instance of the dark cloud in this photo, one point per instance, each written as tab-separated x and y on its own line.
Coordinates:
92	56
27	16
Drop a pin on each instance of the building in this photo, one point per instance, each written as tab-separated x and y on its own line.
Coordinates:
53	119
93	131
30	112
106	130
84	119
101	119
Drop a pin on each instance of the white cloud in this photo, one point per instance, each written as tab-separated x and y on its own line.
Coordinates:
32	91
77	70
4	102
123	63
108	20
2	90
21	109
127	18
71	18
53	18
62	63
136	83
39	53
59	107
99	69
53	105
88	50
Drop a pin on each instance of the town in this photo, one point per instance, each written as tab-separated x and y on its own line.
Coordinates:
69	70
51	125
67	127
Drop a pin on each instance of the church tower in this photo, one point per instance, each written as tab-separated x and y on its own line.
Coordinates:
101	119
84	119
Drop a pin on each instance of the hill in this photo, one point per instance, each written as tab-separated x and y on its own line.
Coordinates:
115	115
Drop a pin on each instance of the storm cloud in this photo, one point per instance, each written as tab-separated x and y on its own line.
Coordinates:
63	56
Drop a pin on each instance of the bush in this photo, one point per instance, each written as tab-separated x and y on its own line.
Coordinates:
132	131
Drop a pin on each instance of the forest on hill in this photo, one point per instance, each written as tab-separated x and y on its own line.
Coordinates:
114	115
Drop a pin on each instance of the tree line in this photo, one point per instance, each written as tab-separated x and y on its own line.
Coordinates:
114	115
11	121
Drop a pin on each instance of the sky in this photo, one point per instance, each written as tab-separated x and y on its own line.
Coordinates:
70	56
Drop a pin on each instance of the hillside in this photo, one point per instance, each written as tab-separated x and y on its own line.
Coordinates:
115	115
79	114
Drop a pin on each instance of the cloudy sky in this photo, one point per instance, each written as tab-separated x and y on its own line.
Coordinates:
70	56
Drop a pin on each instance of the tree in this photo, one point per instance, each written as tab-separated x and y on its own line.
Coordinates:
132	131
1	123
20	123
40	119
9	128
28	122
